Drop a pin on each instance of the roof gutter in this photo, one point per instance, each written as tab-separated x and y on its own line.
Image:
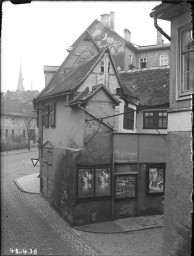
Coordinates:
159	28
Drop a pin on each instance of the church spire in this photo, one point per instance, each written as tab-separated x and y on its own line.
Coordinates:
20	86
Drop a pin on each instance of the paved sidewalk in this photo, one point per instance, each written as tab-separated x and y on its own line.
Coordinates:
19	151
31	184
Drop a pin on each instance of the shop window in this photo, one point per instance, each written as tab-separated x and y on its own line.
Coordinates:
155	179
93	182
155	119
53	114
163	60
128	118
186	61
143	62
125	186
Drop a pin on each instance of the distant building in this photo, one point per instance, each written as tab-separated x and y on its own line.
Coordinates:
18	119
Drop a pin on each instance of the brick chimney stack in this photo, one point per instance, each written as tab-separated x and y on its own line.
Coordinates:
159	38
112	21
127	34
105	19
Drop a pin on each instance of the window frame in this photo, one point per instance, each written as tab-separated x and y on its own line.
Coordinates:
145	60
181	92
162	60
53	114
155	119
128	118
94	168
6	133
46	115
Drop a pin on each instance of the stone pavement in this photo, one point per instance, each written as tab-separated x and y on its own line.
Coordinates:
19	151
31	184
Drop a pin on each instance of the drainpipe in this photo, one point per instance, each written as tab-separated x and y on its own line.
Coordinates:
113	171
160	29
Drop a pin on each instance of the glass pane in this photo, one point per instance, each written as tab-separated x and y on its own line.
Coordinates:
160	122
188	70
164	122
85	182
186	40
102	187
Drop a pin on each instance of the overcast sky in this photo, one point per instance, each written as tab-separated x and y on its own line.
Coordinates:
39	33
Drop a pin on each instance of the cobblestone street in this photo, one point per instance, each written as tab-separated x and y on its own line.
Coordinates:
28	222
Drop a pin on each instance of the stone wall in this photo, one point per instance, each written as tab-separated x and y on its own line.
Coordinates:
177	203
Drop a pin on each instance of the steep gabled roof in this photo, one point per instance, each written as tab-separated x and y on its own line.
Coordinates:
151	85
73	80
86	95
60	75
17	109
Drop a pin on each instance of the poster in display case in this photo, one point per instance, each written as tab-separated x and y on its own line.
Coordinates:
125	186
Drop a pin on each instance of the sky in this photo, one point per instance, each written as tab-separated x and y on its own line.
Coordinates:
39	33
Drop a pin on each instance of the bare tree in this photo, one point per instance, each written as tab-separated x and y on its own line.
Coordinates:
30	123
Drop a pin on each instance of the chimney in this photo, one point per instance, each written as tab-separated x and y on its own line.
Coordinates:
105	20
49	72
112	21
159	38
127	34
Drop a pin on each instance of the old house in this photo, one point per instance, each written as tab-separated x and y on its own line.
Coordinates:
97	160
18	119
18	125
179	175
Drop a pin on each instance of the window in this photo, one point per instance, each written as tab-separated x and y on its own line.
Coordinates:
102	66
128	118
155	179
53	114
109	67
163	60
186	61
12	121
24	133
94	182
12	132
155	119
130	59
46	115
6	133
142	62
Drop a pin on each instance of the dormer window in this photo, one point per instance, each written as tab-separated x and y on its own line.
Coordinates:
102	66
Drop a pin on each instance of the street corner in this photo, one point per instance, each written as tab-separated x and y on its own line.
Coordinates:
29	183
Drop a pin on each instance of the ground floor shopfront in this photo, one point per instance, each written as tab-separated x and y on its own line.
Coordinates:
124	179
